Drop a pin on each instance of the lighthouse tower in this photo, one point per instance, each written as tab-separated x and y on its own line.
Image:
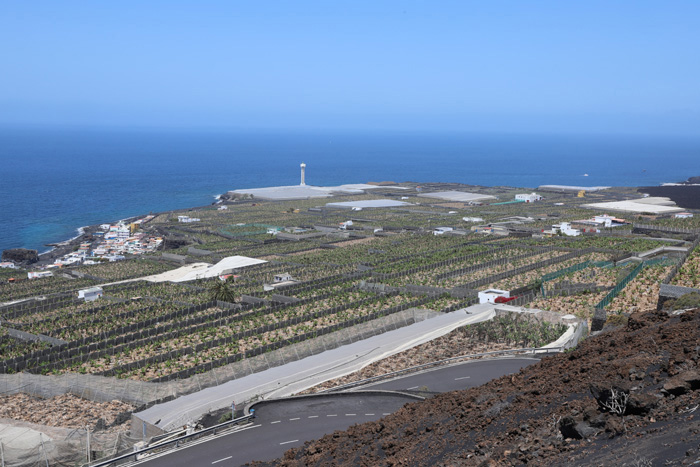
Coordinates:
303	170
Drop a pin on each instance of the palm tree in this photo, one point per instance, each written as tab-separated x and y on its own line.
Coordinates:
222	291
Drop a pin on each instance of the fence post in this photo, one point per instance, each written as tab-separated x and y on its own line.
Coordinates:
43	449
87	433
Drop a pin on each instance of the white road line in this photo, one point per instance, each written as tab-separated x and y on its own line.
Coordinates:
313	416
195	443
224	459
463	377
334	415
287	442
292	419
369	414
414	387
386	413
277	421
350	414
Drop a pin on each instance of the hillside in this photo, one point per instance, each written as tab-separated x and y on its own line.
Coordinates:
564	410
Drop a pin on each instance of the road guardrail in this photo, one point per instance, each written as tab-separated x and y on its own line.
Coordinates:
176	441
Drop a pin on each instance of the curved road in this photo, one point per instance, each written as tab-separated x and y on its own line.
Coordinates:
283	424
454	377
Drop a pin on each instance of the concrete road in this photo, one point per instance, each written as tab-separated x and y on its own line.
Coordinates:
284	424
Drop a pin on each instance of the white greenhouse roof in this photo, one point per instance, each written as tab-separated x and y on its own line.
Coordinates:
461	196
572	188
369	203
204	270
308	191
634	206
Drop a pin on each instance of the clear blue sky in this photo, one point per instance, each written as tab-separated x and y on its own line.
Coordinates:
532	66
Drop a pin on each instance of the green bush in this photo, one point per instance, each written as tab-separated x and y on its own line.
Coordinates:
690	300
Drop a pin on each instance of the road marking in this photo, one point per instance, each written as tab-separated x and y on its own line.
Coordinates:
334	415
369	414
414	387
278	421
197	443
292	419
224	459
463	377
287	442
313	416
386	413
350	414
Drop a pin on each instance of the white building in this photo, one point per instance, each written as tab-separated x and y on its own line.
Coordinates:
608	221
472	219
442	230
187	219
7	265
684	215
565	228
345	225
91	294
39	274
528	198
490	295
284	277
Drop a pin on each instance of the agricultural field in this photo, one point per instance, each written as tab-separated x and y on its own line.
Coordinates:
11	347
642	292
26	288
217	334
529	277
159	331
689	274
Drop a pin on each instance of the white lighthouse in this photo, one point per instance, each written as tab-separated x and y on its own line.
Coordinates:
303	170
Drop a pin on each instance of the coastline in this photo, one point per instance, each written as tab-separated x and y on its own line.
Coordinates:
85	233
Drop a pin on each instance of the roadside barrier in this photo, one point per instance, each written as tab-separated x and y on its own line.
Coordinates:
162	445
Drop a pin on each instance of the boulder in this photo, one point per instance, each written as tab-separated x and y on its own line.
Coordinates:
640	404
610	396
572	429
683	383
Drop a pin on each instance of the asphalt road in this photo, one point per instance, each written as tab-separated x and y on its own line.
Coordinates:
451	378
280	425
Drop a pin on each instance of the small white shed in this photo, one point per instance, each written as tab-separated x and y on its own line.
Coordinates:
91	294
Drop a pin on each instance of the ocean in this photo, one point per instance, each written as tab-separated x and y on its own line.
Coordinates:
55	180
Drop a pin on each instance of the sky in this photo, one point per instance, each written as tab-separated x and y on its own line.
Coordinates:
516	66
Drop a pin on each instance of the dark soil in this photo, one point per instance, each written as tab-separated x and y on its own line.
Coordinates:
687	197
629	396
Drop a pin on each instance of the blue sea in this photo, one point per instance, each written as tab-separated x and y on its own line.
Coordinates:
55	180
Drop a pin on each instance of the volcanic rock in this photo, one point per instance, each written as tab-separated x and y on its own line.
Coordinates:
20	255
